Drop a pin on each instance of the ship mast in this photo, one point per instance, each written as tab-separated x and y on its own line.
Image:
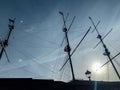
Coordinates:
107	53
4	43
76	47
67	48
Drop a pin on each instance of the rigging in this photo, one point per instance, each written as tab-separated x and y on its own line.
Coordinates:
107	52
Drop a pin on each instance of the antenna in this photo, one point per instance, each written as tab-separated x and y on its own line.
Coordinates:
107	53
67	48
5	42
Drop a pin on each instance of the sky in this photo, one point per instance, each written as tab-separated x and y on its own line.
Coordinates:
35	49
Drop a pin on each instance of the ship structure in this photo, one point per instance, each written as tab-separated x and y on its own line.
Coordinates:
74	84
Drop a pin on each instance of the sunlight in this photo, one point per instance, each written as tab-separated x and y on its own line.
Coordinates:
96	68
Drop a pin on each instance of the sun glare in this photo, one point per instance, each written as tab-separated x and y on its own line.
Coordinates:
96	68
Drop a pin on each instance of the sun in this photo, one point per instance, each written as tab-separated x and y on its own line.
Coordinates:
96	68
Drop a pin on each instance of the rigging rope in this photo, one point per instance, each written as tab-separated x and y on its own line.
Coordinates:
36	60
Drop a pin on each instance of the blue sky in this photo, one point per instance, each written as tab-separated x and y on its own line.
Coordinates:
34	46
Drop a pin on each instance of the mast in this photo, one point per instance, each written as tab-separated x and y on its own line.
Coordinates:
107	53
4	43
76	47
67	47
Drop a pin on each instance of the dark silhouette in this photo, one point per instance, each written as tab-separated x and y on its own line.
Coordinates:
67	48
88	74
107	52
4	43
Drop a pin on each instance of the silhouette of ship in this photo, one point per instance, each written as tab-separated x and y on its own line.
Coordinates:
42	84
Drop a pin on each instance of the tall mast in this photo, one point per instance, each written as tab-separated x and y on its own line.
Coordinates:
5	42
67	48
107	53
76	47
